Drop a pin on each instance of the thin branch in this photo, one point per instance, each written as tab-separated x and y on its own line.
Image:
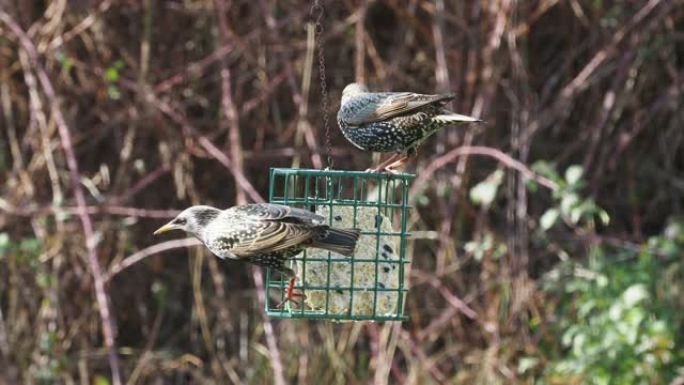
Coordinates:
86	23
227	103
208	146
447	294
108	328
146	252
236	157
271	340
110	209
502	157
428	363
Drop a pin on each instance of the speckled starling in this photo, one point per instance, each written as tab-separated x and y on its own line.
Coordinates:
395	122
262	233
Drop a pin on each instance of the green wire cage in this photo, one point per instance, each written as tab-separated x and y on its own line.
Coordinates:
371	284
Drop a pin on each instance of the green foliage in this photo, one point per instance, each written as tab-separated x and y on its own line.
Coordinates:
570	206
619	315
480	248
112	74
66	62
99	380
26	250
620	114
4	243
484	193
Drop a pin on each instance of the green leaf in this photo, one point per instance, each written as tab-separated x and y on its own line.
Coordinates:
546	169
576	213
112	74
99	380
422	200
549	218
568	201
65	61
527	363
4	241
475	248
113	92
635	294
30	245
484	192
573	174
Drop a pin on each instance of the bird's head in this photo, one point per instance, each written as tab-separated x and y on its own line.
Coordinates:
192	220
352	90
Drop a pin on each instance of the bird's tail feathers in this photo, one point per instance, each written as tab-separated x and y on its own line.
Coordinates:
451	117
342	241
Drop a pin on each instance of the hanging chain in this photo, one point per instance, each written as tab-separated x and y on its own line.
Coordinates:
316	14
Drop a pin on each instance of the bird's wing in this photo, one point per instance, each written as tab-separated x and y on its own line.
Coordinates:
272	236
276	212
263	228
383	106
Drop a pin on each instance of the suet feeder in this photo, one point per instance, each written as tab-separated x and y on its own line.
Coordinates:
373	282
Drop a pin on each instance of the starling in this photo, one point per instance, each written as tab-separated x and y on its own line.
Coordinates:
264	234
395	122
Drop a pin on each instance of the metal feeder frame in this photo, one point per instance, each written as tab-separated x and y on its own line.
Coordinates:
310	189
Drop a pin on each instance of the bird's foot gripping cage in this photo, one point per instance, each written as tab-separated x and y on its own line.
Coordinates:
372	283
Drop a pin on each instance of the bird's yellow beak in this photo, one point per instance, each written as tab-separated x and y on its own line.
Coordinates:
167	227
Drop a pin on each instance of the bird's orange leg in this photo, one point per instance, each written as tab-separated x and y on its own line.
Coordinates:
382	166
289	296
391	168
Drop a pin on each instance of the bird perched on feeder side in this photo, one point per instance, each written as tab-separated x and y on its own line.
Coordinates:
393	121
262	233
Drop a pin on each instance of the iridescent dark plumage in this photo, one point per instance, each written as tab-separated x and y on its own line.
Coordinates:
264	234
393	121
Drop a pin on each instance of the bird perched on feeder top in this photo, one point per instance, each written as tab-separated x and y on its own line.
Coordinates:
393	121
262	233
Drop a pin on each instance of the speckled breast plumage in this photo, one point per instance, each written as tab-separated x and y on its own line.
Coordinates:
394	135
277	260
398	134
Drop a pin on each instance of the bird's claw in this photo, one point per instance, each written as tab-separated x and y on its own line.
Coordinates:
290	294
290	298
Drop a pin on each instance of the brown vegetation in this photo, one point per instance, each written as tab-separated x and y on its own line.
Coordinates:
116	113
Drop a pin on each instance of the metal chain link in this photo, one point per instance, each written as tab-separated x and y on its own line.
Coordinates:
316	14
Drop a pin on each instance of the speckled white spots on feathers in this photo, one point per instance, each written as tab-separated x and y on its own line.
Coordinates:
316	273
393	121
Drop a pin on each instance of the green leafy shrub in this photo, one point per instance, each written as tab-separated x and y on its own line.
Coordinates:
619	318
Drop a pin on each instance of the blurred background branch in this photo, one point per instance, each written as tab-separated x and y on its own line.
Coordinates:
115	115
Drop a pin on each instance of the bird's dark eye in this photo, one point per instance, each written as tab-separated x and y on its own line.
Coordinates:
180	221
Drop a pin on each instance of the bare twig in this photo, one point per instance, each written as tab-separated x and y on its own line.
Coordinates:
236	155
109	209
271	341
227	103
214	151
450	297
505	159
108	328
427	363
360	42
80	27
146	252
582	79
